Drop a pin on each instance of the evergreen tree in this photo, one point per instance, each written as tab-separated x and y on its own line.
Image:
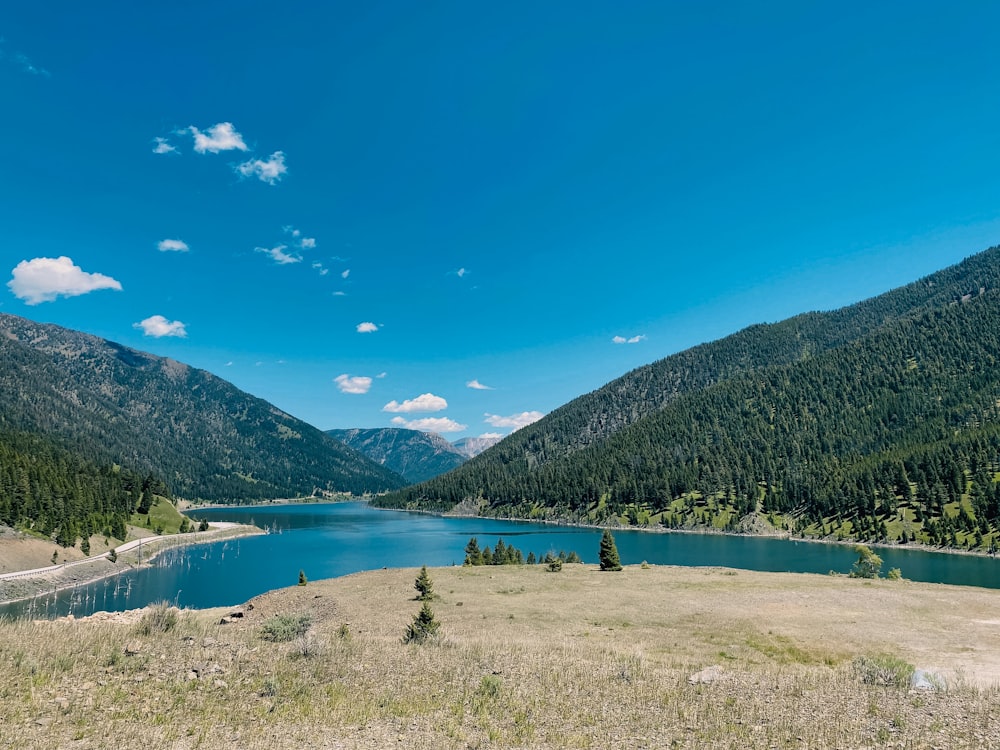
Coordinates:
473	555
302	578
868	565
423	585
608	553
423	628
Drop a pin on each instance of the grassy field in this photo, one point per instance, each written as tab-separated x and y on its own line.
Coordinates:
525	659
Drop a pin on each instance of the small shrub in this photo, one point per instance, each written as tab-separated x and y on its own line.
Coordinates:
883	669
285	628
113	556
158	618
555	566
894	574
302	578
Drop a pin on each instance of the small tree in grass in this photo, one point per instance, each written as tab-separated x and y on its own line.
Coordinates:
113	556
608	553
302	578
869	565
423	585
423	628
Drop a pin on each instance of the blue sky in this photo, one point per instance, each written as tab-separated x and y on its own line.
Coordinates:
356	210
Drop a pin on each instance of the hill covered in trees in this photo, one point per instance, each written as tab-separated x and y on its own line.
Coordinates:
414	455
86	425
878	421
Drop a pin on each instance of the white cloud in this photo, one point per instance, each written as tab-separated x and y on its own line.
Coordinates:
517	421
319	267
163	147
308	243
229	363
341	294
423	402
365	327
430	424
345	274
270	171
178	246
632	340
45	279
157	326
492	435
477	386
278	255
353	383
381	375
461	272
220	137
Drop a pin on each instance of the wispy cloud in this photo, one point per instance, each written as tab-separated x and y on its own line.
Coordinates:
430	424
344	274
157	326
381	375
423	402
516	421
278	254
341	294
308	243
631	340
305	243
270	170
492	435
220	137
23	63
461	272
353	383
163	146
477	386
365	327
45	279
177	246
320	269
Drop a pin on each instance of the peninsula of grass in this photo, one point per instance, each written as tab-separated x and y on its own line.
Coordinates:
649	657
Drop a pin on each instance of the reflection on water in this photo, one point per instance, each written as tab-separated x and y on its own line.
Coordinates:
330	540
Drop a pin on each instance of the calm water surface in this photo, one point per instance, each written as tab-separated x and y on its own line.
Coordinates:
330	540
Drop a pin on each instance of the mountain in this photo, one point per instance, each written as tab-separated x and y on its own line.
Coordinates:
471	447
416	456
103	404
872	421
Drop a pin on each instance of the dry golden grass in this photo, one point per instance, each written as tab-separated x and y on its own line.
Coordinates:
577	659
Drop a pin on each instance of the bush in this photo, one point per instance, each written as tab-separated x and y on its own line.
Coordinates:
555	565
883	669
894	574
302	578
158	618
284	628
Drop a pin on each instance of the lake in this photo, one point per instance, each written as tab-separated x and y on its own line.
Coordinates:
327	540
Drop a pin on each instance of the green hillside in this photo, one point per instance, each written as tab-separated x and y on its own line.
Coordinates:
873	421
83	421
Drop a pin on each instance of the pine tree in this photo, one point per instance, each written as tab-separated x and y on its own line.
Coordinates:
473	555
608	553
302	578
423	585
424	626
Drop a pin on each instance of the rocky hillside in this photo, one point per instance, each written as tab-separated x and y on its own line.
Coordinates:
416	456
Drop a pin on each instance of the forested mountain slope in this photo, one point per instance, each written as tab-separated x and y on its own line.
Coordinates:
102	404
849	413
415	455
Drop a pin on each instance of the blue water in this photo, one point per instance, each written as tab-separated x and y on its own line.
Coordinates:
330	540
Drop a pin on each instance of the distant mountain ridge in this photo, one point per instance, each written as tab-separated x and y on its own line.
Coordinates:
204	438
415	455
870	412
470	447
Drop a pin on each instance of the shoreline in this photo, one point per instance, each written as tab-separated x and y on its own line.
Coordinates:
23	585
